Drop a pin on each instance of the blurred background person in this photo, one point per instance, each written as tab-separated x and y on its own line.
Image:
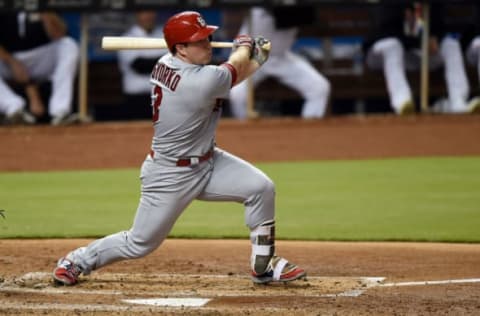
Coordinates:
136	66
34	48
281	25
471	43
396	48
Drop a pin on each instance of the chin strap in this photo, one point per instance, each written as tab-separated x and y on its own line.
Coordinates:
263	246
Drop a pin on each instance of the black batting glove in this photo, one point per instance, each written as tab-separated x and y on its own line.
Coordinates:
260	50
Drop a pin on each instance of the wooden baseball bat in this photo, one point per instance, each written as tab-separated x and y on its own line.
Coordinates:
122	42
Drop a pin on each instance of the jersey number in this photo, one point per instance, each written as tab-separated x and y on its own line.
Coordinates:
156	96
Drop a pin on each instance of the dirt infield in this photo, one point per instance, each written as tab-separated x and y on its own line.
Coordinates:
343	278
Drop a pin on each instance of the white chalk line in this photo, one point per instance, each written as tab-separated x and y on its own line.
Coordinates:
440	282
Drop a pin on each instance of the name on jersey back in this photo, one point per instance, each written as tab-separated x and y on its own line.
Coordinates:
166	76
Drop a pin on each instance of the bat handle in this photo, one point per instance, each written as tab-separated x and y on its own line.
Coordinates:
222	44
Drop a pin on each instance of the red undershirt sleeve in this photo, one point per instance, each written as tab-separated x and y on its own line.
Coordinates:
233	71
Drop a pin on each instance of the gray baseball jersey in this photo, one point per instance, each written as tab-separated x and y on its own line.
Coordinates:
185	101
184	164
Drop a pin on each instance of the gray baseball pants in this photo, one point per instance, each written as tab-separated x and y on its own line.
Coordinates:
167	190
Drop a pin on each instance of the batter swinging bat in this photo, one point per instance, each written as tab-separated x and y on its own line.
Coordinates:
122	42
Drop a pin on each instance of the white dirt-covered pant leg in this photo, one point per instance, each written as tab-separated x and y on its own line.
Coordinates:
455	74
234	179
166	192
389	54
63	77
239	95
297	73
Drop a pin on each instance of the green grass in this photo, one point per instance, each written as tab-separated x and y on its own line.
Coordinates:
426	199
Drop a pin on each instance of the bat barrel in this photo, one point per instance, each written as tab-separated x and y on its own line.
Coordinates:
122	42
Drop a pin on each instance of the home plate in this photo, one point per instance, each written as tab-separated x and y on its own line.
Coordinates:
171	302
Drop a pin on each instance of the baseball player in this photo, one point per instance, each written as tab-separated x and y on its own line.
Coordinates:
396	48
471	43
34	47
185	164
284	65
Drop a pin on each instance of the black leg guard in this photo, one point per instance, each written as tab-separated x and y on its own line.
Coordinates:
263	246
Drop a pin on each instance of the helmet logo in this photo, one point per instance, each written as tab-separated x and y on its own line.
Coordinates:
201	21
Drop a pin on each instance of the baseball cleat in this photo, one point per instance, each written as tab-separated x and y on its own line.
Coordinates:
279	270
407	108
20	117
474	105
66	119
66	272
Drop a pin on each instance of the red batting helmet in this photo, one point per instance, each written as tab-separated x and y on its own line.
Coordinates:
186	27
